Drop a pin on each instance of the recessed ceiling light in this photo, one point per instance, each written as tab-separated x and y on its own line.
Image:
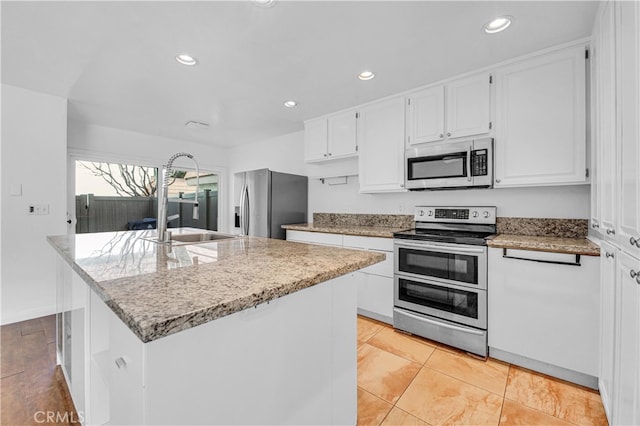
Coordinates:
264	3
500	23
290	104
366	75
185	59
196	125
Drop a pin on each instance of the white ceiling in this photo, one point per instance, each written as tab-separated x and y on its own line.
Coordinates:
115	60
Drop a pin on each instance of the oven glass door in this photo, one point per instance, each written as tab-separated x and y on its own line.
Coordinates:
459	304
456	266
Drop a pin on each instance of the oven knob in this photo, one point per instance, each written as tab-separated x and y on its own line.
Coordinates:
421	213
430	213
486	214
475	214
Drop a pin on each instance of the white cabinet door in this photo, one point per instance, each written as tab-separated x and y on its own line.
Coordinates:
608	257
320	238
606	92
315	139
381	140
375	296
545	312
342	135
468	106
425	116
628	219
627	393
540	123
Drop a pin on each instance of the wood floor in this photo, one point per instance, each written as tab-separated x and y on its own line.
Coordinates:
402	380
32	388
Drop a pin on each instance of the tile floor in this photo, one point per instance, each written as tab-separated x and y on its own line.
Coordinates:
407	380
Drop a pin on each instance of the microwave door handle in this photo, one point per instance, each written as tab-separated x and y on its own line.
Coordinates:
446	249
469	163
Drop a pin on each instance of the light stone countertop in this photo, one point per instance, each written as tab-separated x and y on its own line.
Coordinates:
580	246
364	231
157	291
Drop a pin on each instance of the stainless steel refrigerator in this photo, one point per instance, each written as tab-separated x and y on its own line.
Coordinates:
264	200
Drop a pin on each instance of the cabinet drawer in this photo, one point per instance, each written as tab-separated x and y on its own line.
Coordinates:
375	297
315	238
368	243
384	268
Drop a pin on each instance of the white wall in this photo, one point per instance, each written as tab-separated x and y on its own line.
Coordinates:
286	154
34	134
89	141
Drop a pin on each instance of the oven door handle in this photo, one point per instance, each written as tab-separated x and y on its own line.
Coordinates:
443	324
448	249
469	163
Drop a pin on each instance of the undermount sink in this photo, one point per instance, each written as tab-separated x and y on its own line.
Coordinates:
200	237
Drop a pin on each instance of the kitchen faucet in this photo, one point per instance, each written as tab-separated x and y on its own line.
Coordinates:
163	203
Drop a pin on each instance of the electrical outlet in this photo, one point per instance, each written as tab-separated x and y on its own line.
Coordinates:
38	209
31	210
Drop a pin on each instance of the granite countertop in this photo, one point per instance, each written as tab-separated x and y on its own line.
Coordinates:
158	290
365	231
553	244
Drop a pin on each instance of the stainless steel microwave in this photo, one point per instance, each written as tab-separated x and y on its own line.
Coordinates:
450	165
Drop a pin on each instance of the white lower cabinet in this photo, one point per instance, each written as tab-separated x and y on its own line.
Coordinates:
375	282
544	316
608	256
626	392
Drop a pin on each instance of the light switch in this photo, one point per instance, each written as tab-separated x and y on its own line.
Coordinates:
15	189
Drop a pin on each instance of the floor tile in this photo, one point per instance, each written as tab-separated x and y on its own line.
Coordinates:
439	399
555	397
402	345
518	414
12	360
30	326
13	401
490	375
397	417
384	374
371	409
367	328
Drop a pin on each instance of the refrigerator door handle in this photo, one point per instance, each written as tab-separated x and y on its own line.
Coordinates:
244	210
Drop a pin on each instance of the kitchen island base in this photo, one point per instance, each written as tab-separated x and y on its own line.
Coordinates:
289	361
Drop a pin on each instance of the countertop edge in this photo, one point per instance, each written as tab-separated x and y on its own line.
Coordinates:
559	245
360	231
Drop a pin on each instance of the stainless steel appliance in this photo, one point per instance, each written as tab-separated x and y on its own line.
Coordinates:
264	200
440	276
450	165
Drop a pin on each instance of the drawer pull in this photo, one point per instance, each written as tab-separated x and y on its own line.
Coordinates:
121	362
553	262
611	231
635	241
608	255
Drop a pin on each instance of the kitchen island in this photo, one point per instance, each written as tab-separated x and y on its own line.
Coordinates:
244	330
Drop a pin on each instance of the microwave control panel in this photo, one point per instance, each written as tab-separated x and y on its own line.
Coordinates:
479	162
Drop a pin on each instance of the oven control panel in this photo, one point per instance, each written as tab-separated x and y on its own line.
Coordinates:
482	215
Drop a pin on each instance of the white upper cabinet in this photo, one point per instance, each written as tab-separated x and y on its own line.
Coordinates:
425	116
467	103
540	120
381	128
315	139
331	138
628	217
469	106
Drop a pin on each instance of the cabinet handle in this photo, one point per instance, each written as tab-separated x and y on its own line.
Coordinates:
611	231
635	275
329	154
448	134
595	226
635	241
325	154
497	180
121	362
441	135
608	255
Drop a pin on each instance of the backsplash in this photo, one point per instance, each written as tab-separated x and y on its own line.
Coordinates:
358	219
563	228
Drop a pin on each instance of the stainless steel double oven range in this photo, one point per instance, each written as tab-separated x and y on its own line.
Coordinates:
440	276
